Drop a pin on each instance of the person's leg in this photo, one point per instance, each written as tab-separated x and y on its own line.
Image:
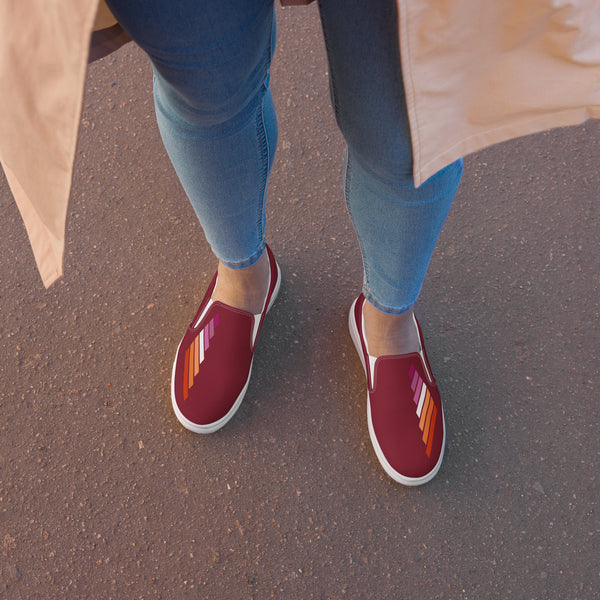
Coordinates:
217	120
397	224
215	113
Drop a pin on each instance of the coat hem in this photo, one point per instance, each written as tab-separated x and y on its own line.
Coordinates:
497	135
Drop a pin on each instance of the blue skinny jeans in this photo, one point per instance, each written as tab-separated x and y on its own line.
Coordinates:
211	62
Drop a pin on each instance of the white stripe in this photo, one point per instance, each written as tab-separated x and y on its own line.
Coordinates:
201	346
421	399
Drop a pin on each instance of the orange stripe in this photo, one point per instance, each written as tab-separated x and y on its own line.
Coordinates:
191	367
186	364
424	410
197	355
431	429
426	428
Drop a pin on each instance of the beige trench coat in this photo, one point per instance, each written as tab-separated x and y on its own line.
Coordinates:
476	73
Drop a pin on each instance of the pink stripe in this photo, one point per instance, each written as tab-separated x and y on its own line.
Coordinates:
414	381
211	327
411	371
206	344
418	391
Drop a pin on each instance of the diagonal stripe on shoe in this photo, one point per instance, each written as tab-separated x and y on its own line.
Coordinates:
213	362
404	408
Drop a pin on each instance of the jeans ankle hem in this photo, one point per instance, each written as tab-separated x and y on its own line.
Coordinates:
388	310
248	262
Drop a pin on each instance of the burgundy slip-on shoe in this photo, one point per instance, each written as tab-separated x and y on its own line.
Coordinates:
404	408
213	362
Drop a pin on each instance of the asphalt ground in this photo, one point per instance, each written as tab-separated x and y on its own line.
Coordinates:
104	495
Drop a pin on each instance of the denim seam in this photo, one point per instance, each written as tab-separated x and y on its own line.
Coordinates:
264	149
264	146
347	196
